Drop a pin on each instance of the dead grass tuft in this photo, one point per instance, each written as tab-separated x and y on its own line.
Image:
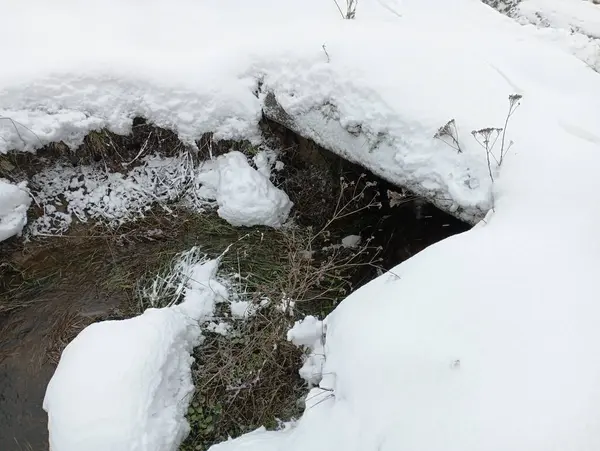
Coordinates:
244	381
249	379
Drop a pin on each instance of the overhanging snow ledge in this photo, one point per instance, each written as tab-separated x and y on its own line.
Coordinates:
377	153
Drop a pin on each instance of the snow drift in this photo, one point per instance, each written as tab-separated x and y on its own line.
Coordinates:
126	385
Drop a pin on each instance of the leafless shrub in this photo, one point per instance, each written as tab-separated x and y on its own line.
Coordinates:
250	378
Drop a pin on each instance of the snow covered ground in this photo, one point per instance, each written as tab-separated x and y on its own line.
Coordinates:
126	385
574	25
487	340
575	15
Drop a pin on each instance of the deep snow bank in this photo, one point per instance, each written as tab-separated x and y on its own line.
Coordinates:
489	339
374	90
337	94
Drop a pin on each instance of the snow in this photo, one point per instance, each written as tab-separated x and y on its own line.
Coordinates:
309	333
92	192
487	340
14	202
265	161
573	25
351	241
576	15
348	104
126	385
245	196
221	328
242	309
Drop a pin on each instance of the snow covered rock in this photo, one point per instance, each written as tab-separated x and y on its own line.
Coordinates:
14	202
126	385
245	196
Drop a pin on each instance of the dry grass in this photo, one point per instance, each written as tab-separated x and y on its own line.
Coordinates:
245	381
249	379
95	268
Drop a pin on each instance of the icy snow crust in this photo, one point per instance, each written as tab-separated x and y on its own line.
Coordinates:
245	196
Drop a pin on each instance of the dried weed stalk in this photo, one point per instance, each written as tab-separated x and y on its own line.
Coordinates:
350	9
448	134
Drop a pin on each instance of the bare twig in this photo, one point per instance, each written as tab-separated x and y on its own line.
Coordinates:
514	103
142	150
326	53
15	123
486	138
339	9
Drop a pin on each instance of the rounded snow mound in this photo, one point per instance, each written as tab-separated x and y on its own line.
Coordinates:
144	363
245	196
14	202
126	385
